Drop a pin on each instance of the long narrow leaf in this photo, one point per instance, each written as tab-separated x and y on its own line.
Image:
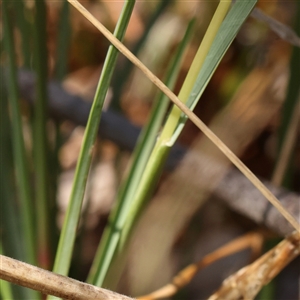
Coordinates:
21	167
63	41
140	157
163	145
22	173
40	147
225	36
5	287
67	239
9	223
10	236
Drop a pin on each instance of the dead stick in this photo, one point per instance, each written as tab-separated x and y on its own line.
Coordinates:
50	283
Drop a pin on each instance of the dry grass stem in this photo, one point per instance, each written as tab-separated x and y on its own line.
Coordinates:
253	240
247	282
233	158
50	283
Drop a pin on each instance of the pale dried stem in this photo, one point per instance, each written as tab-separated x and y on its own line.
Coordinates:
49	283
231	156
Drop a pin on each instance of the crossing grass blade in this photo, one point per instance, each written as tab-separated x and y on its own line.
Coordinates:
40	141
140	157
68	234
225	36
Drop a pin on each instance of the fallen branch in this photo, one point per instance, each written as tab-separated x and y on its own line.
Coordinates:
49	283
234	188
240	195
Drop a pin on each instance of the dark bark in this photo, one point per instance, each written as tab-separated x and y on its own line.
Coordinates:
234	189
64	106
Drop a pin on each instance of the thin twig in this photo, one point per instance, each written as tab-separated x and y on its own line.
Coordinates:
253	240
50	283
233	158
247	282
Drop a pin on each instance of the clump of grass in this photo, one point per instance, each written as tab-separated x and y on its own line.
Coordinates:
149	156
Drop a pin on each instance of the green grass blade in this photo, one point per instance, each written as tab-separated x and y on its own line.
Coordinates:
140	157
63	41
5	290
22	15
163	144
67	239
22	172
21	167
226	34
10	234
5	287
292	99
40	143
158	155
60	71
195	68
10	226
